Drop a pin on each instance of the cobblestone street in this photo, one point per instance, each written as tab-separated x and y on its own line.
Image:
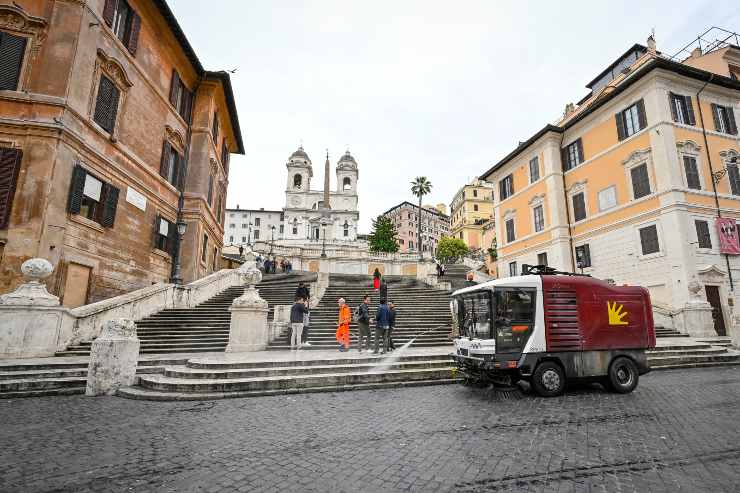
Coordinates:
679	431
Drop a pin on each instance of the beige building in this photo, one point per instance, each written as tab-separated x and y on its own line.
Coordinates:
434	225
471	210
111	132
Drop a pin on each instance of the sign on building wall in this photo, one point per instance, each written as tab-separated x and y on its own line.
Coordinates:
728	235
136	199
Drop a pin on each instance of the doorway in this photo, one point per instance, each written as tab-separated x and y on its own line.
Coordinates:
716	302
76	286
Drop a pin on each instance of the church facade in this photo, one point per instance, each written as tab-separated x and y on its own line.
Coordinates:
312	215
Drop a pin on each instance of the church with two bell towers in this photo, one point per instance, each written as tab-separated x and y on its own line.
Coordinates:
312	215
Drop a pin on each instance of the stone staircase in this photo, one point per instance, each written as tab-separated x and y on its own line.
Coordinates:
680	353
661	331
455	273
203	328
423	313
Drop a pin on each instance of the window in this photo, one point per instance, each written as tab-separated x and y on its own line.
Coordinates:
92	198
681	109
542	258
164	235
506	187
475	207
510	233
10	165
297	181
631	120
733	174
475	193
702	234
204	254
180	97
607	198
539	218
512	268
172	166
106	104
282	228
724	119
692	172
347	184
474	314
534	169
640	181
256	234
583	256
572	155
411	244
257	221
232	226
579	206
513	318
225	156
124	21
12	49
214	128
210	192
649	240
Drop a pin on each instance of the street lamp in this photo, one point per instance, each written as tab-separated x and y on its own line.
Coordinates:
272	242
249	234
177	274
323	242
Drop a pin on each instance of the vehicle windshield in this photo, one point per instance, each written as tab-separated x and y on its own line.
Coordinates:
474	314
514	318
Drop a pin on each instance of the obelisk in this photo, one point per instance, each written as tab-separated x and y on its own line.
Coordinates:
327	205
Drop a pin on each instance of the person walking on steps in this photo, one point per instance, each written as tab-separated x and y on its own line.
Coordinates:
383	289
376	279
306	323
391	325
382	323
297	312
302	291
345	317
362	317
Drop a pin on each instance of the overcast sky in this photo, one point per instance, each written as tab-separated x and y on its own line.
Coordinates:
437	88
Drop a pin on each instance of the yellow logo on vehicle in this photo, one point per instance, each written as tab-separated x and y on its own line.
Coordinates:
616	313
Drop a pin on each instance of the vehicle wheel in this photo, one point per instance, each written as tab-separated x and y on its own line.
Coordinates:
623	375
549	379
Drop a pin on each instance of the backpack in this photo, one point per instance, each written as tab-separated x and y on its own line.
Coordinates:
356	315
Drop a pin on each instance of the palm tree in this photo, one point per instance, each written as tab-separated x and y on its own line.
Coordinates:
420	186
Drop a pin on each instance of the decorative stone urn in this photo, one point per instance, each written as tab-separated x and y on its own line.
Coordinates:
32	322
697	313
113	358
249	330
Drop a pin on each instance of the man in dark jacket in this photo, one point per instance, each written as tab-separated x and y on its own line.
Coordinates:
383	289
297	312
363	322
382	323
391	325
302	292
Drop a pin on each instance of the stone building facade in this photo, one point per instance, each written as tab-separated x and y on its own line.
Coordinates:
247	226
434	225
632	181
110	128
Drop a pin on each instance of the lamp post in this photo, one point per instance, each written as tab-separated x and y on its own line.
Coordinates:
249	234
323	241
177	271
272	241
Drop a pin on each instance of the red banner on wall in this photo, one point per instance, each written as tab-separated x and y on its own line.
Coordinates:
728	235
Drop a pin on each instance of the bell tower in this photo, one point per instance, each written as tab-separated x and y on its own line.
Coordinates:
347	175
300	171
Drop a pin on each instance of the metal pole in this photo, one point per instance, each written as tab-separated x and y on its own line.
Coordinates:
323	243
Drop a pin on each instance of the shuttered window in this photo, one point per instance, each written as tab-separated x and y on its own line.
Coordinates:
210	190
733	174
542	258
172	166
572	155
631	120
124	21
10	165
724	119
682	110
106	106
579	207
640	181
534	169
204	253
539	218
214	129
93	198
692	172
165	235
512	269
506	187
180	97
12	49
225	156
510	232
649	240
702	234
583	256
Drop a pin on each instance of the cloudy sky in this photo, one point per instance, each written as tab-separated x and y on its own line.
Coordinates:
435	88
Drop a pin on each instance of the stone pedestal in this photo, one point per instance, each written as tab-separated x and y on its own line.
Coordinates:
280	321
697	320
32	322
249	330
113	358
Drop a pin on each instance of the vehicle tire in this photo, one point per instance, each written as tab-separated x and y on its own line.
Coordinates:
548	379
623	375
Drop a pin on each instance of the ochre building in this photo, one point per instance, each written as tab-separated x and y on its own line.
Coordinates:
471	212
628	185
107	121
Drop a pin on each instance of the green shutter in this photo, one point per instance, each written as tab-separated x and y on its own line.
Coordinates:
620	125
10	165
76	186
110	204
689	111
641	114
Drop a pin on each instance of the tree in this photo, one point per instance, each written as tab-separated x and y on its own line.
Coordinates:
383	236
419	187
450	248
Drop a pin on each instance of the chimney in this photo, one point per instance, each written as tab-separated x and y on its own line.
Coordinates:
696	52
569	109
237	206
651	45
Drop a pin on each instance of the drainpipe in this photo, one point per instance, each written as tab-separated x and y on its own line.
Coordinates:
176	272
567	209
711	170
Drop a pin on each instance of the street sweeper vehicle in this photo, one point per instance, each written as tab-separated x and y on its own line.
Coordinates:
548	327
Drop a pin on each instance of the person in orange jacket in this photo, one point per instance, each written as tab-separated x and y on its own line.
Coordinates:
345	317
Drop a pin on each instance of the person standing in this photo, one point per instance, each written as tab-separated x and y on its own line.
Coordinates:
391	325
363	322
306	323
345	317
382	322
383	289
302	291
296	322
376	279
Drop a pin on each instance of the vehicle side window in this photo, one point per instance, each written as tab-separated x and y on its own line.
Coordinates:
474	315
514	318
